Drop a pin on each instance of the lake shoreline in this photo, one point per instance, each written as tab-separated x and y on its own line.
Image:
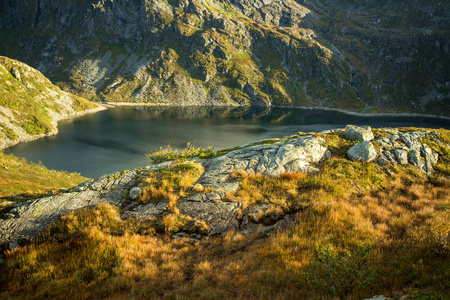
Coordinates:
30	138
107	105
358	114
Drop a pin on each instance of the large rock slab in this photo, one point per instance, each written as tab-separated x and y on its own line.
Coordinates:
295	155
270	157
34	216
364	151
356	133
219	216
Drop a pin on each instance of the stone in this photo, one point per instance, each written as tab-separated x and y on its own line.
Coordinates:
364	151
219	216
389	156
14	244
135	210
389	142
180	235
402	156
416	160
430	158
411	139
135	193
356	133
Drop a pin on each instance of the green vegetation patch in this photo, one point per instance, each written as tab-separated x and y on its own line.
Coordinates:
26	92
168	153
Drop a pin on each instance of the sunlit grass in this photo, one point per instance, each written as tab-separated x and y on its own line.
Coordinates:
168	185
361	230
20	177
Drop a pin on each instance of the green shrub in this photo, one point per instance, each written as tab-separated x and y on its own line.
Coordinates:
168	153
340	273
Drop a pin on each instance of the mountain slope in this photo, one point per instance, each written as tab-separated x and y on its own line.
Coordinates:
356	55
30	105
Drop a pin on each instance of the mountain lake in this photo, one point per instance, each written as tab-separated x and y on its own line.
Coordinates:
118	138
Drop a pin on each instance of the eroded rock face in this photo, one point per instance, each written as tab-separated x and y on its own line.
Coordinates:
356	133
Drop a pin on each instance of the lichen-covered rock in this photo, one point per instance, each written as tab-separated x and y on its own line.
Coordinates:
296	155
416	160
219	216
35	216
135	192
356	133
412	139
407	148
364	151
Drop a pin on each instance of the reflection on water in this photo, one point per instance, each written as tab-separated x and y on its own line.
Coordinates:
119	138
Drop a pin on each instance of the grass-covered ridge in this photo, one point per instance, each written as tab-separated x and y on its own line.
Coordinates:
30	104
359	230
29	180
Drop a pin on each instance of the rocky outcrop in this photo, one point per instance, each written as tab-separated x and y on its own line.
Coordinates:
362	152
407	148
121	189
31	106
207	202
297	155
324	53
356	133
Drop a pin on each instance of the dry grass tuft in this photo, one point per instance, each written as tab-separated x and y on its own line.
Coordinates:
168	185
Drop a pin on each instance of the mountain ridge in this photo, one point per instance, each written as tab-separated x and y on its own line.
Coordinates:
31	106
358	56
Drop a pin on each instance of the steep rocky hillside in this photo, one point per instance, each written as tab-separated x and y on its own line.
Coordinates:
357	55
30	105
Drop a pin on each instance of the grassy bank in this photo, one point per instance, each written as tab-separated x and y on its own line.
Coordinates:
29	180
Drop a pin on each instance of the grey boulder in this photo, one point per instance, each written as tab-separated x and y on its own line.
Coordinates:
356	133
364	151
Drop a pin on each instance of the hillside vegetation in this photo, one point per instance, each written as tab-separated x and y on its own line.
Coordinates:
369	56
30	105
18	177
360	229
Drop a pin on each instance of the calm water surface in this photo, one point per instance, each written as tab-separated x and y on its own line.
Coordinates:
118	139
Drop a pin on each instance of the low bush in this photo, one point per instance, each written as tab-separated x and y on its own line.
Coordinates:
168	153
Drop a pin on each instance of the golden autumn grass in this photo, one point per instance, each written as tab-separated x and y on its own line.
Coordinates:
20	177
359	232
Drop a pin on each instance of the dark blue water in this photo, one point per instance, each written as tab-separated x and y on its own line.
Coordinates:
119	138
